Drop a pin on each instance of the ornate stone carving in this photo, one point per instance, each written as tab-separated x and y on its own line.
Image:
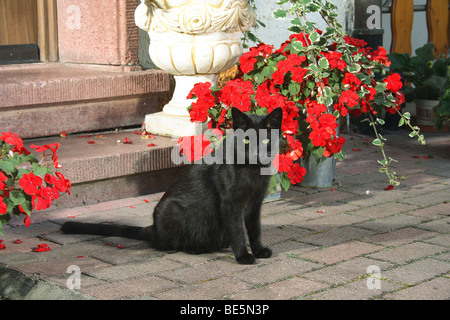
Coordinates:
194	16
194	40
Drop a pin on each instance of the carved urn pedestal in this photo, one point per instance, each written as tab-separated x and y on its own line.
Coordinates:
194	40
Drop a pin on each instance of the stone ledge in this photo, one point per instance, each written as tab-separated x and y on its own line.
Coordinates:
108	169
33	84
38	100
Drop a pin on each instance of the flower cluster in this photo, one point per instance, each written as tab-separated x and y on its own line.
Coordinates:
25	184
315	77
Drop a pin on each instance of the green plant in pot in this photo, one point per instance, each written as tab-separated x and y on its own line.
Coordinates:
316	77
426	80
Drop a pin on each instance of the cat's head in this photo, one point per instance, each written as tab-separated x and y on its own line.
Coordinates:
256	137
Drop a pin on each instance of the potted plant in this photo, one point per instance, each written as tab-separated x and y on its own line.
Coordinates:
443	111
316	77
426	78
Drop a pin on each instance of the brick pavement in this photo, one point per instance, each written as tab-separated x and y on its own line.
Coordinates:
355	241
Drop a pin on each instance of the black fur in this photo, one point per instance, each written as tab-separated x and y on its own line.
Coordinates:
209	207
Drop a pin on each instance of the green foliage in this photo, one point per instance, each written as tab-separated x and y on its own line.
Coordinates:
428	75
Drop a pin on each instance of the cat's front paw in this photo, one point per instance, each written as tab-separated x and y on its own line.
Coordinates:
247	258
264	253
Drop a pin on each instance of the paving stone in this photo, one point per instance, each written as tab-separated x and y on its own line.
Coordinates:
144	286
134	269
204	272
282	233
441	240
331	222
439	225
276	271
391	223
335	236
417	271
357	290
435	289
214	289
428	200
435	211
399	237
384	210
347	271
282	290
408	252
319	197
340	252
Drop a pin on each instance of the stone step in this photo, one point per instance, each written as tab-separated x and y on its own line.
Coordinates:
101	167
38	100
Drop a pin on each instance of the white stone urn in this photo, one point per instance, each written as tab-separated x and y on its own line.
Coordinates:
194	40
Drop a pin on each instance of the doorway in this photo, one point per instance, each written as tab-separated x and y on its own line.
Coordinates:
28	31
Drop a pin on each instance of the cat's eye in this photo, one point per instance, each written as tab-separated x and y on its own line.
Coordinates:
246	141
266	141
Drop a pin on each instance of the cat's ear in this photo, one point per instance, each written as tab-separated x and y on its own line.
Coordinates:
240	119
274	119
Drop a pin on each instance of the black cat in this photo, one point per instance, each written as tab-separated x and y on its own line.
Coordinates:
210	206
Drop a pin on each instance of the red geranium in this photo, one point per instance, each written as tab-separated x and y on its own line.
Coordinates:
393	82
30	183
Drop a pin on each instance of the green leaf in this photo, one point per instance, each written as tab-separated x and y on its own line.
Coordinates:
40	171
314	37
380	121
298	45
323	63
294	88
285	181
354	68
377	142
17	197
280	14
6	166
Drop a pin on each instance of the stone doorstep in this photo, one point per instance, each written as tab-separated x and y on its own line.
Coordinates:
101	167
39	100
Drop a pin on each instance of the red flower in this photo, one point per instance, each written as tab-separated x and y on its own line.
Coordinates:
30	183
27	221
59	183
2	246
333	146
14	140
3	206
194	147
42	248
350	98
380	55
237	93
198	112
296	173
45	197
351	81
53	147
283	162
248	59
247	62
393	82
335	60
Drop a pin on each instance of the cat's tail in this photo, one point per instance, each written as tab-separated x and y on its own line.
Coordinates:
108	230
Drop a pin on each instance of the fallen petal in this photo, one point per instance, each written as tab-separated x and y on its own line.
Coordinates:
389	187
